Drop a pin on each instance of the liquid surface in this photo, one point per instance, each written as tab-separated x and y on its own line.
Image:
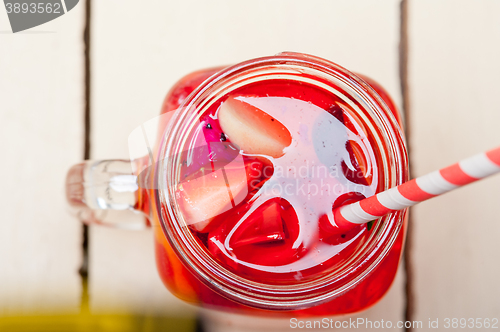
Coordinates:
267	218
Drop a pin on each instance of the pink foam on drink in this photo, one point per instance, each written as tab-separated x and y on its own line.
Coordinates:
309	176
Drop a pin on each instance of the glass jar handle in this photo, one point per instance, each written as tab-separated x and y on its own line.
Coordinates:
107	192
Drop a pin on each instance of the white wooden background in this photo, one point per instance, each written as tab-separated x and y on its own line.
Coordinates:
139	49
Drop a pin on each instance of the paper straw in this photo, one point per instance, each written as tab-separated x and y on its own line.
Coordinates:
419	189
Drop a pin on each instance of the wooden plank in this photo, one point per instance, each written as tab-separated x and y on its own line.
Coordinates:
453	79
137	58
123	277
41	87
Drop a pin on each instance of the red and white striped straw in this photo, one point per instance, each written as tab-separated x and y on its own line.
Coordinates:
419	189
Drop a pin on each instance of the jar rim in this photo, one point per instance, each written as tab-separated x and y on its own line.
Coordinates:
271	296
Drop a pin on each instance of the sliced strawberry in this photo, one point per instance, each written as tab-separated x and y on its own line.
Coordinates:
290	220
265	238
333	234
359	174
276	253
337	112
357	158
207	196
263	226
255	174
341	112
253	130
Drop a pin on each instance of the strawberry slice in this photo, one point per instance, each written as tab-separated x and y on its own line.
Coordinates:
253	130
204	197
276	253
263	226
265	238
256	174
359	174
357	158
332	234
336	111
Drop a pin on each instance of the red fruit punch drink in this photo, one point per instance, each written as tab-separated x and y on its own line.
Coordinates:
253	163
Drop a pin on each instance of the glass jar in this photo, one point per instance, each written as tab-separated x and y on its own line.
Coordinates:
188	269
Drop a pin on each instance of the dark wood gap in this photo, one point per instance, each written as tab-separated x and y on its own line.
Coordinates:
405	93
84	269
